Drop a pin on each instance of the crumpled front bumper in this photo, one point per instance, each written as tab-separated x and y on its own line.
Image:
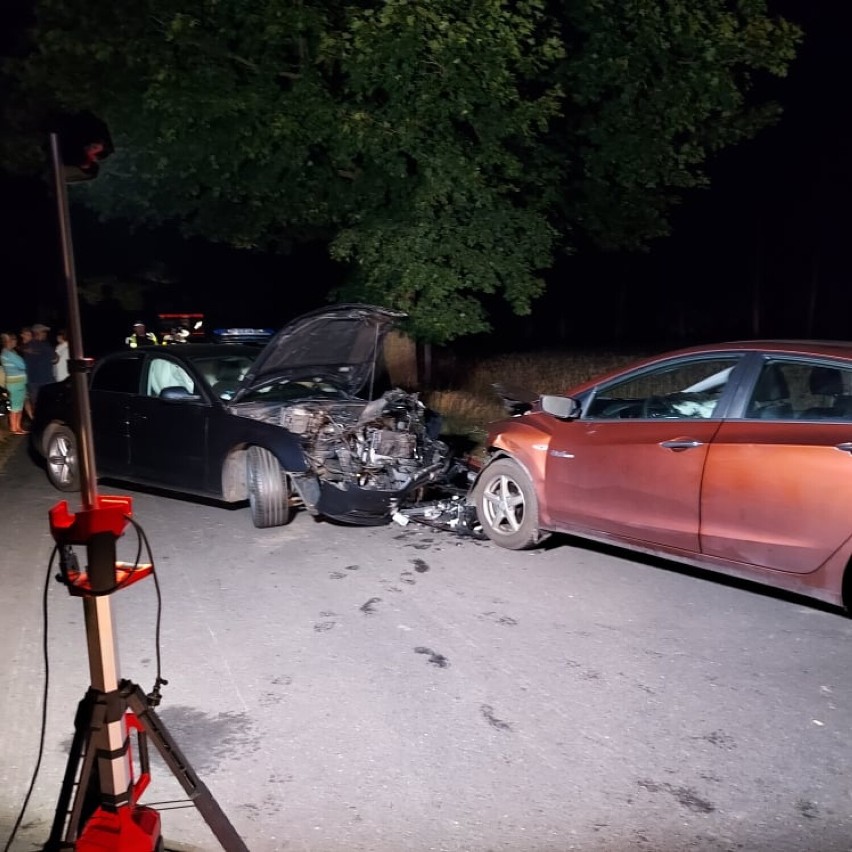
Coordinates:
351	504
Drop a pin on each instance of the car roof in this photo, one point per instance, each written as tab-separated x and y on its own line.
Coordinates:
837	349
194	350
825	348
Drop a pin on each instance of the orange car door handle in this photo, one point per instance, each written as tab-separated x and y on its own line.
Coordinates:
846	446
682	444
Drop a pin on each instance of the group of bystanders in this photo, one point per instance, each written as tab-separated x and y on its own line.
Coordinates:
29	361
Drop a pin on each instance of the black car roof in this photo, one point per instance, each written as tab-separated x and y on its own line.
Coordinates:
193	350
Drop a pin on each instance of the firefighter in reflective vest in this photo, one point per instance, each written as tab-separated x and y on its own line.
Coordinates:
140	337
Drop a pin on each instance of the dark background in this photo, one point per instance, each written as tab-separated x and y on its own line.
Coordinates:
759	254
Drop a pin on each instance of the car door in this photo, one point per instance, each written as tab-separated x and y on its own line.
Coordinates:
778	483
115	384
168	436
632	465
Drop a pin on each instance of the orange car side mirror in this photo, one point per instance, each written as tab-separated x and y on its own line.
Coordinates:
561	407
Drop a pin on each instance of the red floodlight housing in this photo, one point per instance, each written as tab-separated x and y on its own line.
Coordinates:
84	142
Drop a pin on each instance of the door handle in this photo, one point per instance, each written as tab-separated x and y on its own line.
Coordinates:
846	446
681	444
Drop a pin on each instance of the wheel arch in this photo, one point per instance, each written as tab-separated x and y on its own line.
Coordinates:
284	447
497	453
234	477
534	472
525	441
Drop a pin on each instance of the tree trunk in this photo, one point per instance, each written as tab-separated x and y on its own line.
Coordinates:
424	365
400	355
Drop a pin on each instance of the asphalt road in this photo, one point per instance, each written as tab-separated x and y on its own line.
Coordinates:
402	689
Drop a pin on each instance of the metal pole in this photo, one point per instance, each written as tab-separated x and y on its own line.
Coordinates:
114	769
85	450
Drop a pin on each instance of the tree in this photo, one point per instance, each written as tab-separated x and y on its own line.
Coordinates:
656	87
444	150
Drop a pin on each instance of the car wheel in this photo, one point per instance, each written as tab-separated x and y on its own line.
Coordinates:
507	506
269	494
61	455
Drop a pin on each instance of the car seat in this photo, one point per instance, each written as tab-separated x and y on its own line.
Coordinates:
771	397
828	382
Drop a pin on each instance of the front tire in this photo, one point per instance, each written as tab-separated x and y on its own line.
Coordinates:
507	506
269	494
63	470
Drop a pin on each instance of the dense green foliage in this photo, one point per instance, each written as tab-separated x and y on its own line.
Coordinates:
444	150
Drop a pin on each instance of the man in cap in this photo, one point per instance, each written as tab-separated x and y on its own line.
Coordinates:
39	358
140	337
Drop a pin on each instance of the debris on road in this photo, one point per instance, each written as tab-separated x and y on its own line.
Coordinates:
452	514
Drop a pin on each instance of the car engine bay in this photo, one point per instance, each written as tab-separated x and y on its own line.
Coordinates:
388	444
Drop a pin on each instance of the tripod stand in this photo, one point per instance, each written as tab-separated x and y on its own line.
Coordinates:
135	824
98	806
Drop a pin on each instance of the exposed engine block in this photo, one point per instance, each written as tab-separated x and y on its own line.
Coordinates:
381	444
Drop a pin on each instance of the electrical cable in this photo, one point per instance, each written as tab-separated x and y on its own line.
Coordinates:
43	730
154	696
127	581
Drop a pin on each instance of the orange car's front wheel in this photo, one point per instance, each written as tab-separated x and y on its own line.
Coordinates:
507	506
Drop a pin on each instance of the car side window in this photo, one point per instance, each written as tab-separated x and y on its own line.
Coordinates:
790	389
680	390
121	375
164	373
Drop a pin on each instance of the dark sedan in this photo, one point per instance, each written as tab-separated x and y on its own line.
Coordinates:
735	457
281	426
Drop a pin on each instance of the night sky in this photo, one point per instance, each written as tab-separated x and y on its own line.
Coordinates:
760	254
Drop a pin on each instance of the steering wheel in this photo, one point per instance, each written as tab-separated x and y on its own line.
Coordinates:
657	406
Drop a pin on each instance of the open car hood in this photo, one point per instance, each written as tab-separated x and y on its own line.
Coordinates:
340	343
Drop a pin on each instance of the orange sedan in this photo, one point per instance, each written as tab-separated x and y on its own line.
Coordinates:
735	457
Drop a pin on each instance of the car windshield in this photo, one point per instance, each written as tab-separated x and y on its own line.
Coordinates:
224	372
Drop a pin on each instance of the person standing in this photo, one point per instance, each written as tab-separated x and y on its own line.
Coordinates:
60	366
140	337
39	358
16	380
25	340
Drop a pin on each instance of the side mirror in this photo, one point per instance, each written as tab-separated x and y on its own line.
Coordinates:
561	407
178	393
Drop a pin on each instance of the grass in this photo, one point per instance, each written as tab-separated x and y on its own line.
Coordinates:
468	402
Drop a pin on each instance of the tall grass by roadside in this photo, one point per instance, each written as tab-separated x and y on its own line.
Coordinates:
470	402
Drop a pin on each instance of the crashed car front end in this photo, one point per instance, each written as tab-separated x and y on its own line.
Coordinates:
365	459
